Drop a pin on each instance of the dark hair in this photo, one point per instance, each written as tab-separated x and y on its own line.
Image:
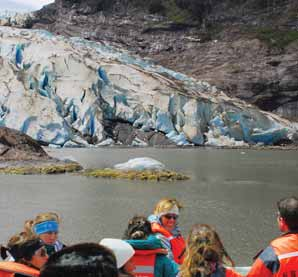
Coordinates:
26	250
13	245
288	209
81	260
138	228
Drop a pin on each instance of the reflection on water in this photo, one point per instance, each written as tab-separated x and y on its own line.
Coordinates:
234	190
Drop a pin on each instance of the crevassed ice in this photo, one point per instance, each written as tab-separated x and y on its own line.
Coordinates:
62	91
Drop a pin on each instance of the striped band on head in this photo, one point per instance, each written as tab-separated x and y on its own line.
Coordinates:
46	226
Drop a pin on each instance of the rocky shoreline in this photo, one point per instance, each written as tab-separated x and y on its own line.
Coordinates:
20	154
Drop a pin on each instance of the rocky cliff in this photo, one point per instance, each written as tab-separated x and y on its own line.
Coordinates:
247	48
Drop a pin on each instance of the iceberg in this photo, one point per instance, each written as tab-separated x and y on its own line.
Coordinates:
143	163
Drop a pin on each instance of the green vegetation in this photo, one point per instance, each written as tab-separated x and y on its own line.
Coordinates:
47	169
149	175
165	175
274	38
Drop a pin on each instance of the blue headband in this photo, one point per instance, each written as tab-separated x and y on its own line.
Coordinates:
46	226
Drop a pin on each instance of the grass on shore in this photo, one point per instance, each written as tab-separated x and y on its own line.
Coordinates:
48	169
165	175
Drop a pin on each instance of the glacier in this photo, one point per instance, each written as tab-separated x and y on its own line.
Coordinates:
70	91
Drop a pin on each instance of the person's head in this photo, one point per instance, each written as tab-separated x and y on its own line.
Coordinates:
204	250
138	228
46	226
288	214
123	252
81	260
167	209
12	245
30	252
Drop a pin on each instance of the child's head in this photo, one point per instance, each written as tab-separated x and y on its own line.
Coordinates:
46	226
204	250
138	228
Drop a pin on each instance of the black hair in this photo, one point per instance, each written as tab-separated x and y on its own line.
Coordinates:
25	250
138	228
3	252
81	260
288	210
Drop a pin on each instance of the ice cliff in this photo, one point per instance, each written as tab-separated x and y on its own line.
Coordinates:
74	92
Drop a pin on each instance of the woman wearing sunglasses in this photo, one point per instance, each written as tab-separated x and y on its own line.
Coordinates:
29	255
164	223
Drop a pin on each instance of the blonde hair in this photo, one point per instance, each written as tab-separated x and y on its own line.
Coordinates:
29	224
18	239
165	205
45	217
203	248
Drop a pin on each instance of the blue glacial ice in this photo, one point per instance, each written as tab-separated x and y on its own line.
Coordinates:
63	90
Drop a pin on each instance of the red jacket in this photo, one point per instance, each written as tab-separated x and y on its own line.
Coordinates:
279	259
231	273
8	269
144	261
177	243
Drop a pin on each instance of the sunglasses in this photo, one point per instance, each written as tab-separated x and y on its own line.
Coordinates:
42	252
171	216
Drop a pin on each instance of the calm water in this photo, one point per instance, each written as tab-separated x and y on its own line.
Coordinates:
234	190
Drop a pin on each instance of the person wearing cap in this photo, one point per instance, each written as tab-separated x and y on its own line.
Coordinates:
29	255
46	227
81	260
124	253
280	258
164	223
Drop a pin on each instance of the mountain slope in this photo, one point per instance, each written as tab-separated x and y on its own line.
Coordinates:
248	48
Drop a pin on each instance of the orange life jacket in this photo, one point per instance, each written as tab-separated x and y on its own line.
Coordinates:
286	249
8	269
280	259
177	243
232	273
144	260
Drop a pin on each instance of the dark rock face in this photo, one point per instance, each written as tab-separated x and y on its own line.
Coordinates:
126	134
248	48
15	145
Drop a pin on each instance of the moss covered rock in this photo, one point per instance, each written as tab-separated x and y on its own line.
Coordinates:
41	169
165	175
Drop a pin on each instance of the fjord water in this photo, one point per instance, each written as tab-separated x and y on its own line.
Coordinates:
234	190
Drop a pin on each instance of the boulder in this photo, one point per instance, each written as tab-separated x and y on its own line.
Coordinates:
20	154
